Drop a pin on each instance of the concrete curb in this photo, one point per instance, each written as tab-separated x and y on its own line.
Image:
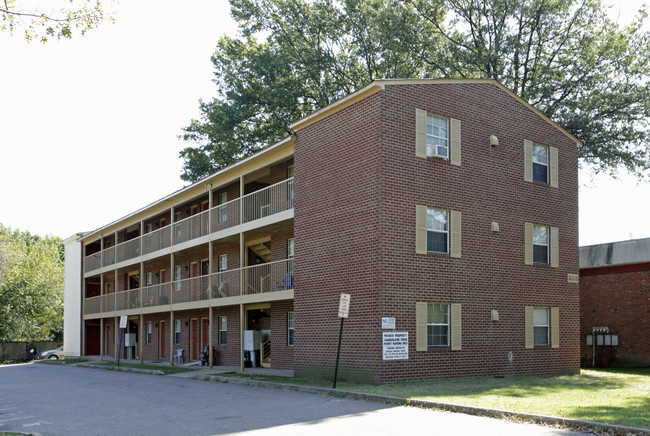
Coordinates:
121	369
571	424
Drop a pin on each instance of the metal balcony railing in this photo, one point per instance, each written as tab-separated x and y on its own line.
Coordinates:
259	204
258	279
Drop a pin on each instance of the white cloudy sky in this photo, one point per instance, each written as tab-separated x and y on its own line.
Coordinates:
83	122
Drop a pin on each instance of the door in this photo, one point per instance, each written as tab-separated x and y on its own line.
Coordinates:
92	340
162	340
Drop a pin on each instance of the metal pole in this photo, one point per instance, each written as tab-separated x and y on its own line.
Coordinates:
338	353
120	353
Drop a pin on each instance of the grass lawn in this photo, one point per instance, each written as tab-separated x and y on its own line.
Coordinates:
615	396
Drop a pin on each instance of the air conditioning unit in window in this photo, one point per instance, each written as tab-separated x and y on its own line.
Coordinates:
437	152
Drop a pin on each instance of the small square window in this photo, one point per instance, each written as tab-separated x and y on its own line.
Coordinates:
437	137
437	231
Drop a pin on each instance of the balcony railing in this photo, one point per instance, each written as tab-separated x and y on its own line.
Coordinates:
258	279
259	204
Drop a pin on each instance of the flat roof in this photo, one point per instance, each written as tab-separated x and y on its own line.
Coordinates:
615	253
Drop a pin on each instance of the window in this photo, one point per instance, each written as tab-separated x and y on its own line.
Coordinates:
540	244
177	332
540	326
177	278
223	330
437	137
149	283
148	332
437	231
290	329
291	194
438	325
290	255
223	210
223	266
540	163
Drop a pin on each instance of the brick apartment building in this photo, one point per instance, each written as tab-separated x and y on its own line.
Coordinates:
615	304
446	209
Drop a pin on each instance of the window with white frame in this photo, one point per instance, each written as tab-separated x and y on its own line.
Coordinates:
177	332
223	210
437	137
177	278
223	266
437	231
148	332
291	193
149	281
290	255
540	244
541	326
540	163
290	330
223	330
437	325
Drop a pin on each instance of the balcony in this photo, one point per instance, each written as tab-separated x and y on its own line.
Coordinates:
256	205
250	281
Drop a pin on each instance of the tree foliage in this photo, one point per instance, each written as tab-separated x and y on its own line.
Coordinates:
295	56
82	15
31	286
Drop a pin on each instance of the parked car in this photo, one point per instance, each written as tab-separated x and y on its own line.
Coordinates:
52	354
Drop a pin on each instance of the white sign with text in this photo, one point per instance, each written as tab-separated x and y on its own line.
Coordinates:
396	345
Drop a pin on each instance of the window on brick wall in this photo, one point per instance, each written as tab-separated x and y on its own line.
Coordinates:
541	245
438	325
177	332
223	267
177	278
437	137
223	210
290	330
540	163
223	330
542	326
148	332
437	231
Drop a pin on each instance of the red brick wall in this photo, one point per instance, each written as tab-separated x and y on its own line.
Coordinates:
618	298
357	184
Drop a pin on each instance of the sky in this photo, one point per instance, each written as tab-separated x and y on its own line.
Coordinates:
89	127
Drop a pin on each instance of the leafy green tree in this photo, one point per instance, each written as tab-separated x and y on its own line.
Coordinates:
31	286
295	56
82	15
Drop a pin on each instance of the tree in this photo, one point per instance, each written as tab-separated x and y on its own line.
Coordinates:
295	56
82	15
31	286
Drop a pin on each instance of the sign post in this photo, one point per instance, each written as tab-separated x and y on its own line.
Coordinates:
122	327
344	309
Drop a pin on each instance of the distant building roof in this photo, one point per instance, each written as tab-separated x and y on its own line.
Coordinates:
615	253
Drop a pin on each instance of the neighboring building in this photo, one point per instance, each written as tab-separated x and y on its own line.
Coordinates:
448	207
615	300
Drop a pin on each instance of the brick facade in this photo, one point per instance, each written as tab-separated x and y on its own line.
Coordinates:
356	189
617	297
358	182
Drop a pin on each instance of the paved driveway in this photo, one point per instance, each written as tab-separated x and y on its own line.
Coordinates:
66	400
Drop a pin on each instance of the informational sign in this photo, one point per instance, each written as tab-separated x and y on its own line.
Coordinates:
396	345
573	278
344	306
388	323
123	321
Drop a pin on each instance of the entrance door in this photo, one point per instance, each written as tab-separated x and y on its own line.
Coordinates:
92	340
162	340
195	339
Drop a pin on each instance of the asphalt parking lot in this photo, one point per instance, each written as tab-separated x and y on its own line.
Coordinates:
69	400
